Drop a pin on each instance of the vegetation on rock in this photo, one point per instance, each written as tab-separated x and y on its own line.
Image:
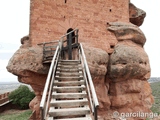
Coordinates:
21	96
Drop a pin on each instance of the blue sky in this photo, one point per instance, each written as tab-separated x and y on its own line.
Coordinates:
14	24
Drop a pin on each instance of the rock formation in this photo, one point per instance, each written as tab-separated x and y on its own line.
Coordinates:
26	63
136	15
120	77
128	71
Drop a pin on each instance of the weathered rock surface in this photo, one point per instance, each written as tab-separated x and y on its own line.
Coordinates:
136	15
27	59
128	72
127	31
26	63
128	61
97	60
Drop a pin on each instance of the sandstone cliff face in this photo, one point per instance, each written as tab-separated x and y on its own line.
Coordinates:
120	76
128	72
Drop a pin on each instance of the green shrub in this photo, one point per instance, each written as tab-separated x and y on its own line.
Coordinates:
21	96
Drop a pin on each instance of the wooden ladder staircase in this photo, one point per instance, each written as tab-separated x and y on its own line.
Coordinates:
69	92
69	100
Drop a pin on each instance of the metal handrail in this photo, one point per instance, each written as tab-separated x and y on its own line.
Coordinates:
48	86
44	105
89	84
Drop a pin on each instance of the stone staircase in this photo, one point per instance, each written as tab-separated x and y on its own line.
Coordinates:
69	100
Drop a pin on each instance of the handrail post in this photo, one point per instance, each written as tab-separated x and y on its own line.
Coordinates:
70	47
62	51
95	112
42	114
77	36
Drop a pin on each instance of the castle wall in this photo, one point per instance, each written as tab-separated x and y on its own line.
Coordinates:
50	19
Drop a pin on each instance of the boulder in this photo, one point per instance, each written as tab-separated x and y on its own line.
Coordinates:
127	31
27	64
128	62
27	59
136	15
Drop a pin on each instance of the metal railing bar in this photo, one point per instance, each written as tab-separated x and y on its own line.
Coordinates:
89	94
89	78
51	84
42	103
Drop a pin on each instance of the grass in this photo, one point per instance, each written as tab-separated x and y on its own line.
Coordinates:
156	93
15	115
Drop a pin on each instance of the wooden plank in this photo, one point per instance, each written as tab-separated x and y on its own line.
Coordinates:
69	78
69	74
69	83
69	88
78	61
70	63
69	95
69	111
50	118
68	66
69	103
68	70
78	118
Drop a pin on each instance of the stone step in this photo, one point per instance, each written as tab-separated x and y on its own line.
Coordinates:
69	78
69	95
69	63
69	111
69	103
68	73
69	83
69	89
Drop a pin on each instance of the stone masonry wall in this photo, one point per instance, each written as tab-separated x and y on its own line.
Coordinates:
50	19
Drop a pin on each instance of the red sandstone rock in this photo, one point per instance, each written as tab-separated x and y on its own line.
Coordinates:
27	59
25	41
136	15
98	60
128	72
26	63
127	31
128	62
